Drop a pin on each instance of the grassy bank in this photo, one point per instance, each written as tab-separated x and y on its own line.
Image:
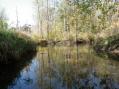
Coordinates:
109	44
14	46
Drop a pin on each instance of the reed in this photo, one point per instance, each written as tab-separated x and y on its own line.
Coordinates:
14	46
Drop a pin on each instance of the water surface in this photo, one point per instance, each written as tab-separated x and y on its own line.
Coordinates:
68	68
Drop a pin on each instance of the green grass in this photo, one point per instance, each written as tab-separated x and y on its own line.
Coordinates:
14	46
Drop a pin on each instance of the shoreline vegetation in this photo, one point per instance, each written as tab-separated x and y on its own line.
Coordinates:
15	46
92	22
64	35
109	44
76	22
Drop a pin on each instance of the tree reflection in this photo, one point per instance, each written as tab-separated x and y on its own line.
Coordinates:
71	68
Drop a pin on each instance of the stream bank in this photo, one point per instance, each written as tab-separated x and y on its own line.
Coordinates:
14	46
108	45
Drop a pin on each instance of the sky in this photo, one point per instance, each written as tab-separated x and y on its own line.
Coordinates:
24	8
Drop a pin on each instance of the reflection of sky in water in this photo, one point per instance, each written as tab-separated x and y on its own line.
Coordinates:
27	78
62	70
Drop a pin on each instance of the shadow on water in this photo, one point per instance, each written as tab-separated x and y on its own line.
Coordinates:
109	56
8	72
74	67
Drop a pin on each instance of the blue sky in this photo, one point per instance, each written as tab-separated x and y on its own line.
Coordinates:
25	11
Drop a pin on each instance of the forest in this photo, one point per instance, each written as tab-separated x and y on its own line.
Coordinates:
75	21
68	36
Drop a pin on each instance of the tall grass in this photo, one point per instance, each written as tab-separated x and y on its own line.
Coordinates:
13	46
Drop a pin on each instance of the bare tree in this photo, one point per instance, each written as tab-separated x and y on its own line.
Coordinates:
39	16
17	19
3	20
47	20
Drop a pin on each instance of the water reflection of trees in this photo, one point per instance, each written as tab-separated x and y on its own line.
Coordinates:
74	68
10	72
